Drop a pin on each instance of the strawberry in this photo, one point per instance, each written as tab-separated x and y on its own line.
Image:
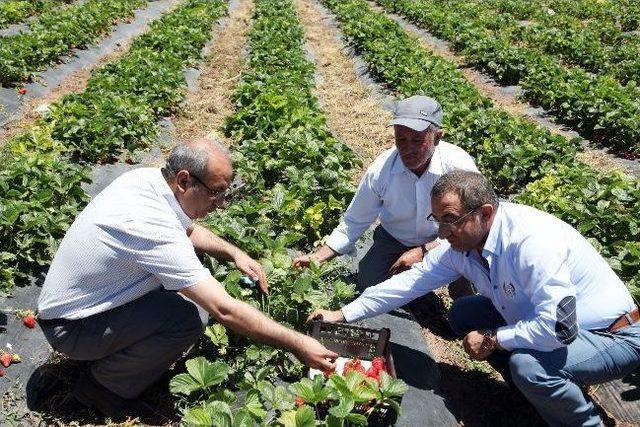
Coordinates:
1	373
374	373
15	358
5	359
328	372
299	401
22	91
29	321
379	363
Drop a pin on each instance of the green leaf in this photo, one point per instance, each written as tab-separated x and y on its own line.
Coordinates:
184	384
305	417
207	373
253	405
344	407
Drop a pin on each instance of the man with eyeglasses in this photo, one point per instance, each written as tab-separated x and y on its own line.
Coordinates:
112	295
550	314
395	190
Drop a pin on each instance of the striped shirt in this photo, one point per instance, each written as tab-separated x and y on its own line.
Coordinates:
130	240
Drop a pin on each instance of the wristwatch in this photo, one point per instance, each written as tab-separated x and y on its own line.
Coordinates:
490	341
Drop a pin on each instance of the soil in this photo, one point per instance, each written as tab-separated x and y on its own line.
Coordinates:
209	101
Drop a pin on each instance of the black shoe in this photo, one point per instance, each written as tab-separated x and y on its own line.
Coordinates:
92	394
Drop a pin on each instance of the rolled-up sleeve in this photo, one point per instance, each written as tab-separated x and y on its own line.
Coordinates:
361	213
437	269
547	283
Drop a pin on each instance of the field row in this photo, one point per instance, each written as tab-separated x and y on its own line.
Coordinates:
16	11
597	105
300	184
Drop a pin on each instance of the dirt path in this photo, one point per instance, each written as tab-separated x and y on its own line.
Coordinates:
506	98
76	81
355	113
209	101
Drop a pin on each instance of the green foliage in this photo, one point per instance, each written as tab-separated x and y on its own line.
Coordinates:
603	207
14	11
40	195
54	33
598	105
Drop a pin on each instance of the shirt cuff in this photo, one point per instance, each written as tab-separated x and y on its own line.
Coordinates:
506	337
339	242
353	311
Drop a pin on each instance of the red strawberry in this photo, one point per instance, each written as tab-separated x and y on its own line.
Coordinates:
379	363
5	359
1	373
299	401
29	321
22	91
327	373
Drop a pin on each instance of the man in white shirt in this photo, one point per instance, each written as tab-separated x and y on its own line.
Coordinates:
395	189
551	315
111	293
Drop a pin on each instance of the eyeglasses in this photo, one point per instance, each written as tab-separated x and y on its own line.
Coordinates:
227	194
454	223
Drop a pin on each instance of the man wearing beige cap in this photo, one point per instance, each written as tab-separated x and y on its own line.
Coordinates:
395	190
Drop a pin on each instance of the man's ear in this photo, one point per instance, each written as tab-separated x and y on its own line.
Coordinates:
182	178
486	211
437	136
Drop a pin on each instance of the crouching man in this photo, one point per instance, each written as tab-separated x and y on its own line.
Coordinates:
550	316
111	295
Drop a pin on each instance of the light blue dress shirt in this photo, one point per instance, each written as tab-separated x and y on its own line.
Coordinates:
544	278
400	199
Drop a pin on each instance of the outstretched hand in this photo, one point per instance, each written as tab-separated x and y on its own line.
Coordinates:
326	315
406	260
253	269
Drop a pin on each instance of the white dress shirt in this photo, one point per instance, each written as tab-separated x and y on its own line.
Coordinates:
130	240
544	278
401	200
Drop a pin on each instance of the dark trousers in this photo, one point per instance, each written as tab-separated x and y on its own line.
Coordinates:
132	345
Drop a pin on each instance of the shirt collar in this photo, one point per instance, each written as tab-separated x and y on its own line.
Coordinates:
493	245
435	165
162	188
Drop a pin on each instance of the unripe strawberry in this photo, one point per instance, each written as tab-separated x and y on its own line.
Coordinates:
15	358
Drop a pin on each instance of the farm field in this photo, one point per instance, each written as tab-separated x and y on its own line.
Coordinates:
301	91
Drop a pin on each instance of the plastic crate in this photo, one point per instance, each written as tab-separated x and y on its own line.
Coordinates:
356	341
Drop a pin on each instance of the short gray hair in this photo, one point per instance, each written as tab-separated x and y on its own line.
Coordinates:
192	158
473	189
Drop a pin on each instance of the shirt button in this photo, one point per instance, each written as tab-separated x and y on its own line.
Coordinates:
503	307
495	287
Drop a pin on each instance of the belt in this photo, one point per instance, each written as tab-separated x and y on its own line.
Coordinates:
625	320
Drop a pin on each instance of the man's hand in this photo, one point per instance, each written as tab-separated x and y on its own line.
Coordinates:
326	315
319	257
303	261
251	268
315	355
406	260
478	345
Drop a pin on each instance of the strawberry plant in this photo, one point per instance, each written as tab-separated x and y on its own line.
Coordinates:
41	184
14	11
597	105
55	33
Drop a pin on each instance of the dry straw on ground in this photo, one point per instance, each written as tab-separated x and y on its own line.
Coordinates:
209	104
354	114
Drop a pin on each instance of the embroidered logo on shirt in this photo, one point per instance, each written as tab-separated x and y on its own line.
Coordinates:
509	289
